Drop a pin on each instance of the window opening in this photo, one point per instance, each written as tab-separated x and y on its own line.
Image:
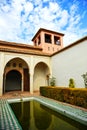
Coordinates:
35	43
39	40
8	64
14	64
47	38
20	65
57	40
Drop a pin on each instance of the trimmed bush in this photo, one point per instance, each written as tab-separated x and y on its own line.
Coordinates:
75	96
71	83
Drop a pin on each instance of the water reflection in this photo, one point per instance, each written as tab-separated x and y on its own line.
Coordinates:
41	116
34	116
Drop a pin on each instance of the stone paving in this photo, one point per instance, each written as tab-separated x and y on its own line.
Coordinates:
17	94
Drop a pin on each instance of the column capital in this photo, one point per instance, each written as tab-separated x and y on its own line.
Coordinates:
31	74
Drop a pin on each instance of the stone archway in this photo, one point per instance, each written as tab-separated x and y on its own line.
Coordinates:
41	75
16	76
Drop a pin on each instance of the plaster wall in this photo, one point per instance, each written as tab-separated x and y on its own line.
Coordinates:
70	63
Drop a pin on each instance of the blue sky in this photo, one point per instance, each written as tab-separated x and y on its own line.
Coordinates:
21	19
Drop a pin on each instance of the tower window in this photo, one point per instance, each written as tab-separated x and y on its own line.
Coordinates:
39	40
57	40
47	38
35	43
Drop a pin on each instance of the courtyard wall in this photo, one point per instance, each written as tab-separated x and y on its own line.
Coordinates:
70	62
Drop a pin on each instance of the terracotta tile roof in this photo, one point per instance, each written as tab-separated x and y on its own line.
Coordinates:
13	44
45	30
21	48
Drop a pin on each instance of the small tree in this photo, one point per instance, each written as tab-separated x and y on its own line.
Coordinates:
85	79
71	83
53	81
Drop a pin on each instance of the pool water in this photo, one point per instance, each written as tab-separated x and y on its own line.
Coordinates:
32	115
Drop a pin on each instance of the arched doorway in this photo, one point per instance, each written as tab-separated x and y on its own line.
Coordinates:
13	81
41	75
16	76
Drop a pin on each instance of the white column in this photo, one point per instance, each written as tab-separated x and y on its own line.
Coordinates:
1	72
31	72
31	83
1	85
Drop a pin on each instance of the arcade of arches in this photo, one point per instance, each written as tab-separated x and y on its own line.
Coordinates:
18	77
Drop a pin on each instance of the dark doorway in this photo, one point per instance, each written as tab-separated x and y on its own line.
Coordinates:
13	81
26	80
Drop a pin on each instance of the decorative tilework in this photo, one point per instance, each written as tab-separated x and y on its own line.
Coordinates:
8	120
67	110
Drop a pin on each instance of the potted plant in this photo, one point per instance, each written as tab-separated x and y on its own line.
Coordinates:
52	81
71	83
85	79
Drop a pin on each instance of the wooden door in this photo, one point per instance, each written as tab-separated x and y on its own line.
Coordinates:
26	80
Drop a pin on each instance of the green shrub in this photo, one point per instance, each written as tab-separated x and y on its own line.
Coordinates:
52	81
75	96
71	83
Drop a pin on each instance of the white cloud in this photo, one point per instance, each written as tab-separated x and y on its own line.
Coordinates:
64	19
20	19
70	37
28	7
2	22
54	7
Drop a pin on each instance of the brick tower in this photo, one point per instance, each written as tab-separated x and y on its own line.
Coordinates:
49	41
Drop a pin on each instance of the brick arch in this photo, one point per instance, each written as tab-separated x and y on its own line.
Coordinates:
16	57
19	65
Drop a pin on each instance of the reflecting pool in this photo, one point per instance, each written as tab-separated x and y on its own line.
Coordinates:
32	115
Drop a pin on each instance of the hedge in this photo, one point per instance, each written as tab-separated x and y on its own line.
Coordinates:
74	96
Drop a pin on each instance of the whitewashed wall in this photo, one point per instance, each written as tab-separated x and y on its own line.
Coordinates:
70	63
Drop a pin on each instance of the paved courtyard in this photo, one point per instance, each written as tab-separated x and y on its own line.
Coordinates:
18	94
